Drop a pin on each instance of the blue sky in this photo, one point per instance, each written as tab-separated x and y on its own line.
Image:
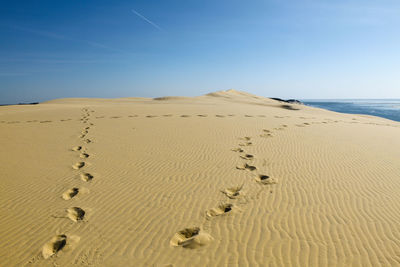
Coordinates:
289	49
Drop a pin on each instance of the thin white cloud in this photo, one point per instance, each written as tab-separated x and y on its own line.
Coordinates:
147	20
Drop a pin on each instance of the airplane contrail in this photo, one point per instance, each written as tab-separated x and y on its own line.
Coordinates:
147	20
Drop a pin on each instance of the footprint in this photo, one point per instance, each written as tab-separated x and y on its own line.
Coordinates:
84	155
237	149
266	135
246	167
167	115
265	179
87	141
78	165
246	138
75	214
191	238
220	116
266	131
115	117
56	244
45	121
85	132
233	192
247	156
221	209
248	116
70	193
132	116
202	115
185	116
76	148
86	177
151	116
246	144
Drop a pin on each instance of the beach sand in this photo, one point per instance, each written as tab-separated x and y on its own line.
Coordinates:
225	179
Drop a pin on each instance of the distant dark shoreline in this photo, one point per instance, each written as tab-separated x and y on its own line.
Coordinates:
20	104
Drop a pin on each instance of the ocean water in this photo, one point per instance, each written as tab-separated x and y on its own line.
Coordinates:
385	108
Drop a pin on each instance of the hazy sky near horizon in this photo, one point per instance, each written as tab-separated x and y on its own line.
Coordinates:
289	49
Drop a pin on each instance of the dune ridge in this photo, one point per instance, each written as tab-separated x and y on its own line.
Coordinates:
225	179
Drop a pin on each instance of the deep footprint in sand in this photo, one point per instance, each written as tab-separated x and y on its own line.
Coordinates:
76	148
233	192
56	244
84	155
266	135
247	156
78	165
220	210
67	195
246	144
76	214
191	238
87	141
86	177
265	179
237	149
246	167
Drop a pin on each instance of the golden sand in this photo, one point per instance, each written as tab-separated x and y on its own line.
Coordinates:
225	179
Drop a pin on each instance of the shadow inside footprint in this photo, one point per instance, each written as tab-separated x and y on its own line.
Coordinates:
70	193
78	165
75	214
266	135
221	209
247	156
265	179
246	144
86	177
76	148
191	238
233	192
56	244
84	155
246	167
237	149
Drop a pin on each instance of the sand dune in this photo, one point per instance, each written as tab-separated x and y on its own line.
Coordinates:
224	179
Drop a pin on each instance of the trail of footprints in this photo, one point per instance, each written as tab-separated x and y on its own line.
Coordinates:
266	134
194	237
75	214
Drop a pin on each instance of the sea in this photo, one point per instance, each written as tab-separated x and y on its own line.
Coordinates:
385	108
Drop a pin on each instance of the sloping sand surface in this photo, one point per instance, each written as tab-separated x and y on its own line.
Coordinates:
225	179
